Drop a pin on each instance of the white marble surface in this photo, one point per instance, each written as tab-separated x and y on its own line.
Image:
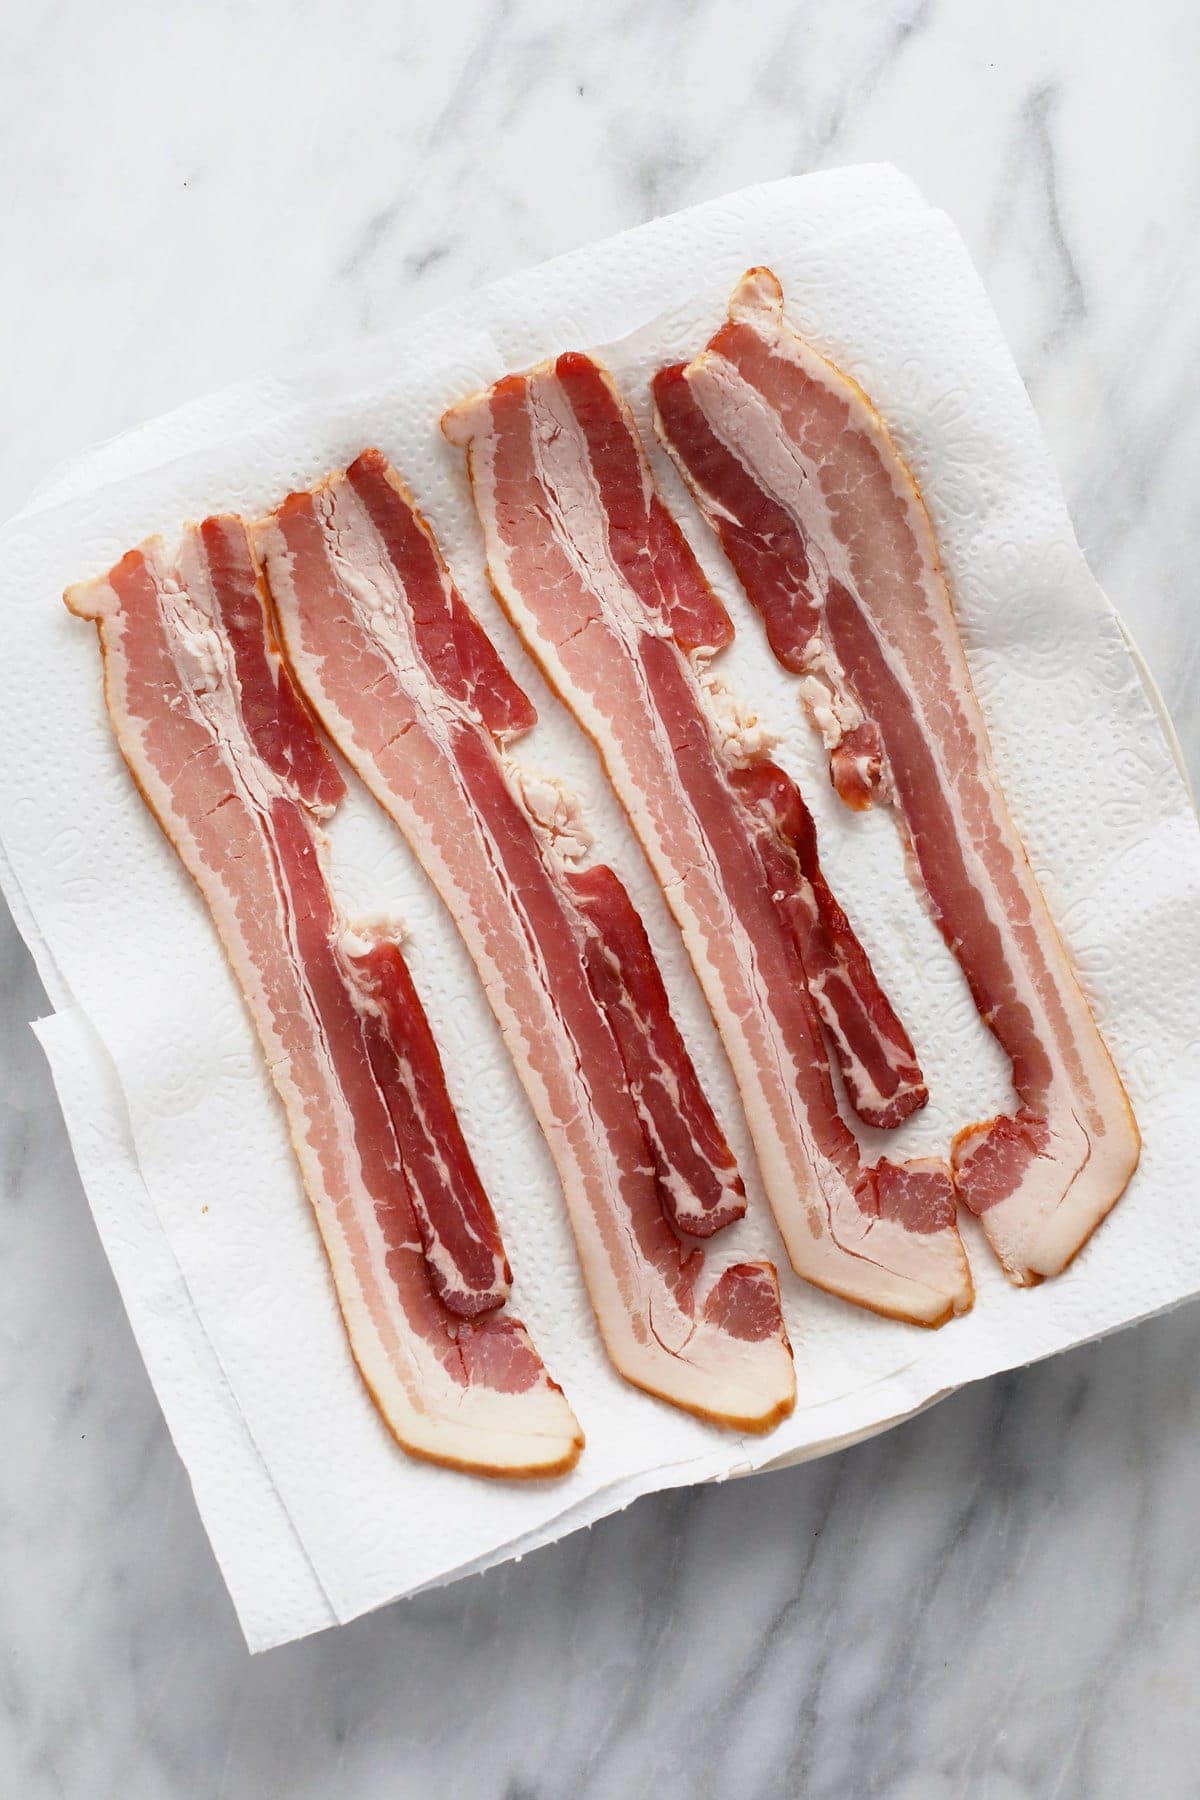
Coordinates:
1000	1600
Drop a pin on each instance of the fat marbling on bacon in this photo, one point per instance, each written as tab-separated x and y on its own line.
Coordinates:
603	587
231	764
822	520
414	694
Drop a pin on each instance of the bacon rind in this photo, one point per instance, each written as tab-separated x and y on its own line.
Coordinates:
467	1394
429	759
825	526
847	1227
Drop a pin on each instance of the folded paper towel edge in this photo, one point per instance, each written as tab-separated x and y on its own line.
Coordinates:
237	1501
68	1029
1155	696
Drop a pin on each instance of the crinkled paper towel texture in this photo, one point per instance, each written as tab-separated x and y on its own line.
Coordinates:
314	1513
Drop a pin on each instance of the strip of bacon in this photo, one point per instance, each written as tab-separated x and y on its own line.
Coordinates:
230	763
356	578
700	1188
875	1054
590	567
397	583
822	520
458	1229
882	1077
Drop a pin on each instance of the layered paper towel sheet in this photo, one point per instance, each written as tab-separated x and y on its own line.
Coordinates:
314	1514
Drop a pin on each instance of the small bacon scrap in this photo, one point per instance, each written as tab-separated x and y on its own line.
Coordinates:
362	597
603	587
823	522
700	1187
230	763
875	1054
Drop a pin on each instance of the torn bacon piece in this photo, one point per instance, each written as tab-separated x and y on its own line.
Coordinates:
701	1189
355	574
824	524
229	761
854	1010
589	564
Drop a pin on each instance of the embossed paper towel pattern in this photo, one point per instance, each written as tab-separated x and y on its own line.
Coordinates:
342	1520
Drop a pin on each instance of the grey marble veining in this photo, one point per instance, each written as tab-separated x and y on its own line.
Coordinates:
999	1601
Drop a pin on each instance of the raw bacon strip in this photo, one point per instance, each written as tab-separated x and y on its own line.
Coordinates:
230	763
700	1187
854	1010
883	1079
368	992
458	1228
352	569
554	459
826	528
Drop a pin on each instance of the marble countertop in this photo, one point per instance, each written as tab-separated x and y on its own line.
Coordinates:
1000	1600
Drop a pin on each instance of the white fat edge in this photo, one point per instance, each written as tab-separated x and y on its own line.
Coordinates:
757	299
355	940
405	1368
561	453
370	580
854	1070
792	484
362	934
735	728
358	940
742	737
426	1408
776	1162
372	584
780	469
831	706
554	810
214	693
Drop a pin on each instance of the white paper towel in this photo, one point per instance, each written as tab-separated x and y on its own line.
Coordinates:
315	1515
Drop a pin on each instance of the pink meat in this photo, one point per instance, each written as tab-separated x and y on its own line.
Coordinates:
230	763
354	572
555	461
699	1184
884	1089
821	518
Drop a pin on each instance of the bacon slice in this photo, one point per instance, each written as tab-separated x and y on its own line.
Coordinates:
875	1054
591	568
356	578
824	524
230	763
